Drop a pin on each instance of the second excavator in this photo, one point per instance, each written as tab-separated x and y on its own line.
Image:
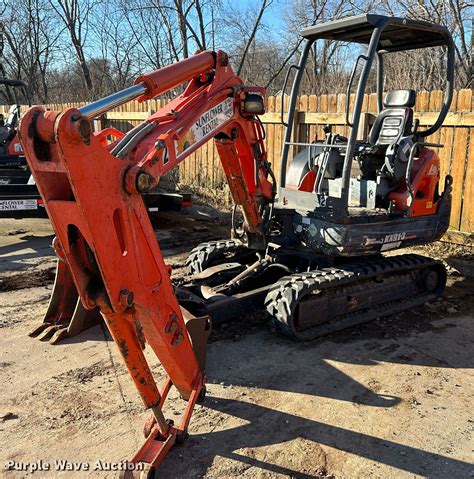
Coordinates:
310	250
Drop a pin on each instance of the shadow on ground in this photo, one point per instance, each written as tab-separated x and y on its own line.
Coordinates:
281	427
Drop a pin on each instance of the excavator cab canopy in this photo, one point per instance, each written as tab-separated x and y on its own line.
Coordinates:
398	34
381	35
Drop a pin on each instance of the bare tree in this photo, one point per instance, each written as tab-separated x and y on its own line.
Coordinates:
326	69
457	16
181	28
248	39
33	41
6	93
202	41
111	41
117	63
75	16
264	5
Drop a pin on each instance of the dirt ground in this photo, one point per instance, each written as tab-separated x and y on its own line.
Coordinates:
389	399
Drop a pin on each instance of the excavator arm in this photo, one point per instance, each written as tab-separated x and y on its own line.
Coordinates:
104	238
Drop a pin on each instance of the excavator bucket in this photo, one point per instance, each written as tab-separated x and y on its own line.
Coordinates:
66	316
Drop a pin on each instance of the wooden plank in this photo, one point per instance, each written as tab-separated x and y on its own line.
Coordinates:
294	129
276	132
341	108
195	178
219	180
202	169
372	106
341	103
323	118
463	119
365	104
291	150
303	127
332	103
422	101
203	165
323	105
454	102
459	159
446	139
446	154
273	117
312	108
270	133
467	213
127	115
278	137
365	123
435	102
452	119
458	163
215	166
332	108
465	98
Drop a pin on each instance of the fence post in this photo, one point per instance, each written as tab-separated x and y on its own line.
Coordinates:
99	123
295	133
365	123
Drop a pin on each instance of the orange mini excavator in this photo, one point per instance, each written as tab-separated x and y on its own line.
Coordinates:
310	250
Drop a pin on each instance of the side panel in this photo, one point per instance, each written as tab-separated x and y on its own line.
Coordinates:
374	236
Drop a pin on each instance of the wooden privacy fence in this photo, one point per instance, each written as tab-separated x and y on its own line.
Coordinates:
202	169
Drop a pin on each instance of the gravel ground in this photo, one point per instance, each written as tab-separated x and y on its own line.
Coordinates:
392	398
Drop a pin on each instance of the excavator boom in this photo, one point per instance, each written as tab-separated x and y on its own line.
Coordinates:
92	193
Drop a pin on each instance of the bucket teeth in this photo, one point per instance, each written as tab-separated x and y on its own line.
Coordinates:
52	332
65	316
38	330
60	334
48	332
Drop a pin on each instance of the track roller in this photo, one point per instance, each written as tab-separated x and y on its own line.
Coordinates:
213	252
307	305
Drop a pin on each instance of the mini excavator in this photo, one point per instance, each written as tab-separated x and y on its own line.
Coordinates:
309	250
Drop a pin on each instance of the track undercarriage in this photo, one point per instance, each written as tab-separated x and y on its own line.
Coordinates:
305	296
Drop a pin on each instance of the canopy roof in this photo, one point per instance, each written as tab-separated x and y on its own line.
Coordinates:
398	33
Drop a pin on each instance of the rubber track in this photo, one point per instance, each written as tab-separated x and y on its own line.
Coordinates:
201	256
282	299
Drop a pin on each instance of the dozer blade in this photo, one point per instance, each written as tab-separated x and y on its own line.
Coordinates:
65	316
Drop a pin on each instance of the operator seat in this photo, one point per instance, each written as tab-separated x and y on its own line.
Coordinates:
392	123
396	118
